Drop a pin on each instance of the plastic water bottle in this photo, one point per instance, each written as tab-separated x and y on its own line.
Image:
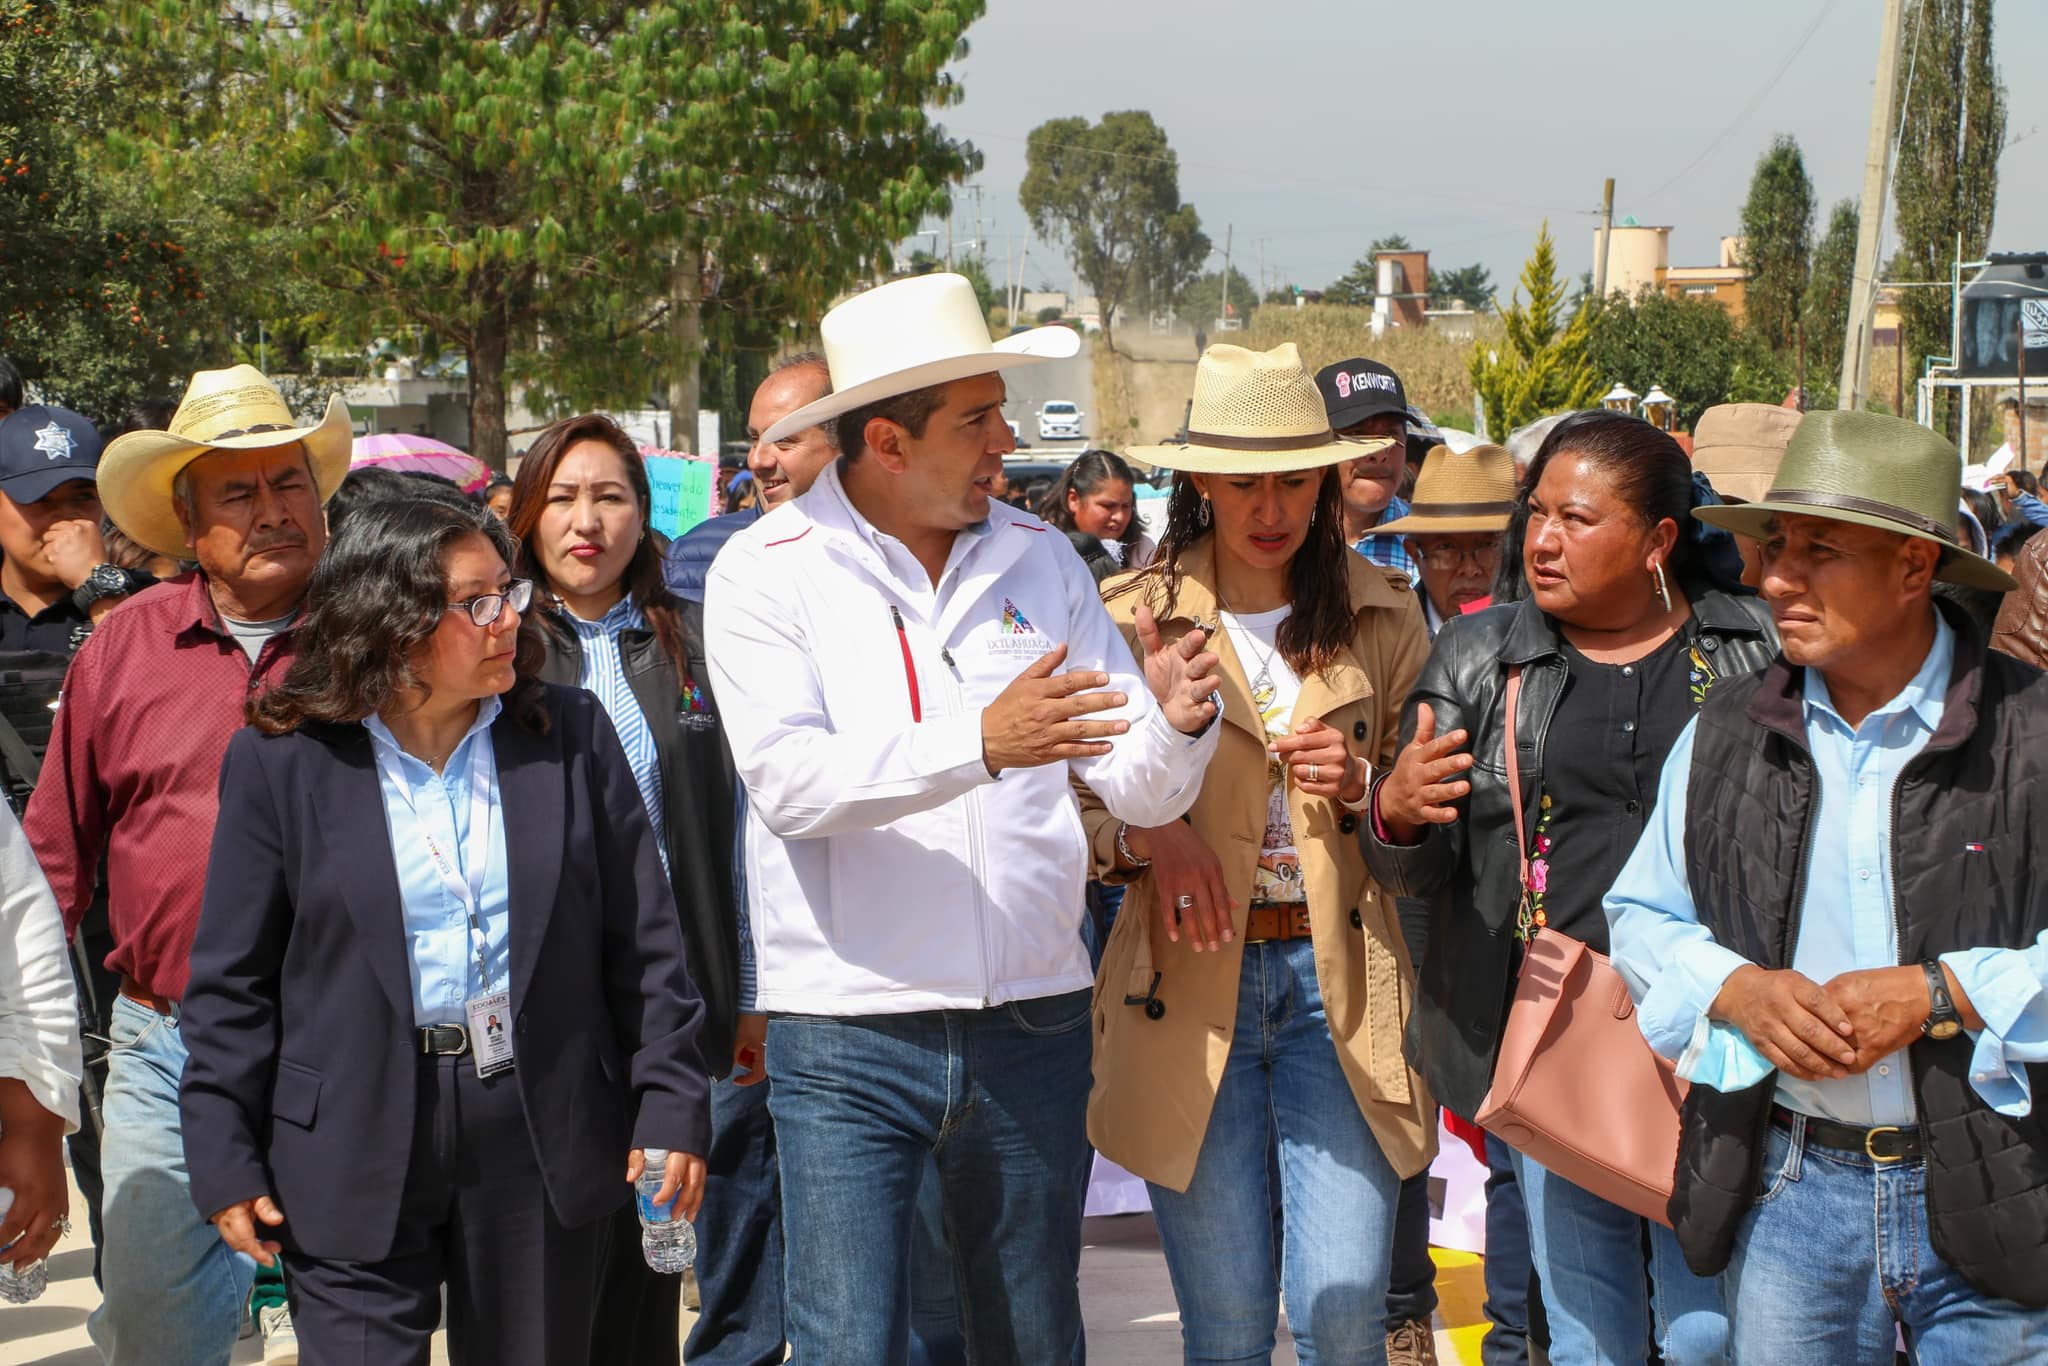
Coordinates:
21	1287
669	1243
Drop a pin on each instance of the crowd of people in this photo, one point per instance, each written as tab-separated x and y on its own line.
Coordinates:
861	863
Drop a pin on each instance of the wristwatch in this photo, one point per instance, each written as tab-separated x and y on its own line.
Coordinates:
1942	1022
105	581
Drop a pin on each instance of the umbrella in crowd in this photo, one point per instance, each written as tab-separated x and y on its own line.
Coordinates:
407	453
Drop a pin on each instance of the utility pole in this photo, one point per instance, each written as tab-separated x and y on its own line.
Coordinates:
1228	229
1262	272
980	242
1877	175
1606	237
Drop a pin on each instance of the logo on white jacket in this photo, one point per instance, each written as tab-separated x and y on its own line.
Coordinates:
1014	621
1015	635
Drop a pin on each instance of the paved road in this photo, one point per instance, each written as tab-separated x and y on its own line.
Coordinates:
1031	385
1126	1301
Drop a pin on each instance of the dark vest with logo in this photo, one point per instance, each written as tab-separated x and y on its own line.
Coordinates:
1965	816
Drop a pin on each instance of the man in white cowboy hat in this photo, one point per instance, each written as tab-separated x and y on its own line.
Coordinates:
1453	526
1834	925
237	484
924	670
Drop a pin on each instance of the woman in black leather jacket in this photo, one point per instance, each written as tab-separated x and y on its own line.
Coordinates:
1624	631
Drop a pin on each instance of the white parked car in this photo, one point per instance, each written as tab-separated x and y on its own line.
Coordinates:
1059	420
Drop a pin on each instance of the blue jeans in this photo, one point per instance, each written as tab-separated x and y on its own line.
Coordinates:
1601	1308
739	1236
863	1106
1835	1252
174	1291
1282	1082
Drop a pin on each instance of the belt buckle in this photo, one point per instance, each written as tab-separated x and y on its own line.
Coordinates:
1870	1144
430	1041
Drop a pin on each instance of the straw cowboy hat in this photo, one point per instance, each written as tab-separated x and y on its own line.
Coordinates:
909	335
1738	447
1257	412
1458	494
235	409
1869	470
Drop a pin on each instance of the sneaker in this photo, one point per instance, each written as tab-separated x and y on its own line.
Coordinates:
1411	1344
280	1342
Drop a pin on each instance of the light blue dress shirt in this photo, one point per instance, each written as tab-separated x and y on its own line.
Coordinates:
1675	969
439	949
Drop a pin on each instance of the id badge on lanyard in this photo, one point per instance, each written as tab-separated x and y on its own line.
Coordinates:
489	1013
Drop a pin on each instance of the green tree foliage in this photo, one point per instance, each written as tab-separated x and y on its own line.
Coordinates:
1201	303
1946	182
1690	346
1827	303
1111	193
1472	284
1541	365
1777	231
1357	286
568	194
102	301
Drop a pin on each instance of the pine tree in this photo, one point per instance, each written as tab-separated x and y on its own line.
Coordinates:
561	191
1777	231
1542	365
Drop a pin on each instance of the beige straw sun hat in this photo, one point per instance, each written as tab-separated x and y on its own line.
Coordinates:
236	409
1256	412
1458	493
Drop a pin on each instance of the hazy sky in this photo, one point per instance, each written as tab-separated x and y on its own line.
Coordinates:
1316	125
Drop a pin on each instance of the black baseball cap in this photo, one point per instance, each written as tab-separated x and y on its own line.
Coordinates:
1356	389
42	447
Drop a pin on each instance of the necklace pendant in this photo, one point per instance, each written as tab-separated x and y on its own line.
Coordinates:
1263	690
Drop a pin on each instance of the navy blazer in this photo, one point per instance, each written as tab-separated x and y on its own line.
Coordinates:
299	1019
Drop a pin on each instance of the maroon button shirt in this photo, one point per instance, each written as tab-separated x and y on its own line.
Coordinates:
133	771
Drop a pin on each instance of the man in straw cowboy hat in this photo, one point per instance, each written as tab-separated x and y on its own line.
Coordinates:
236	483
1833	924
924	668
1453	526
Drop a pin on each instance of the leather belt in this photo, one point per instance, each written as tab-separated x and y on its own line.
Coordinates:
143	996
1284	921
1885	1143
443	1041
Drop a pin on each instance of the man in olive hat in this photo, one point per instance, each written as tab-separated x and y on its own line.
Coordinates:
1833	926
1453	526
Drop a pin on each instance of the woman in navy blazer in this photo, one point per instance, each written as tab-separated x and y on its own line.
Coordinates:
335	1107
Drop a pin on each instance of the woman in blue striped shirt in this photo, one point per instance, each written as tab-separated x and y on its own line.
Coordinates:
581	507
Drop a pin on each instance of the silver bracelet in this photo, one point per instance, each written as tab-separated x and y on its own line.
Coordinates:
1123	848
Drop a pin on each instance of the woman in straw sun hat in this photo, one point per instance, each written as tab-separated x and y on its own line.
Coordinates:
1255	924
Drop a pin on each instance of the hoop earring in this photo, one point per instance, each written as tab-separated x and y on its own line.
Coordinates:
1202	517
1663	588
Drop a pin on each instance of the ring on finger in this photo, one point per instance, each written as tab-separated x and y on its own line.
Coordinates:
1313	771
1182	903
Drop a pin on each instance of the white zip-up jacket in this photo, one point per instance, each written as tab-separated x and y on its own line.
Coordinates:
886	870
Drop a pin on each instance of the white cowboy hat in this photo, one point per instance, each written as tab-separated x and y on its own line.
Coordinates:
909	335
236	409
1257	412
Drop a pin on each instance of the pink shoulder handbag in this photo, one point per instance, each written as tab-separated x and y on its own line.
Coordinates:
1576	1086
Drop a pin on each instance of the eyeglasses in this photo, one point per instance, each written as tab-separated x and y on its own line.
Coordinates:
484	608
1449	556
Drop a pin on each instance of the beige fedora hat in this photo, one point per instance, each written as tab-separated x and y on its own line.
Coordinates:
1256	412
909	335
1738	446
236	409
1871	470
1456	494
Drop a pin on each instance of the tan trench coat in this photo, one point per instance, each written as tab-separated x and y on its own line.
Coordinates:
1156	1078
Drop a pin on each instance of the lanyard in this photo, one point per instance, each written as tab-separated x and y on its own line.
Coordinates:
483	791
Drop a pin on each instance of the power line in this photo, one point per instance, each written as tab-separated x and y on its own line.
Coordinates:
1751	107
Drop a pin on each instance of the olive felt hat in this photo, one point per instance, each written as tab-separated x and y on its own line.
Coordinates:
1870	470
